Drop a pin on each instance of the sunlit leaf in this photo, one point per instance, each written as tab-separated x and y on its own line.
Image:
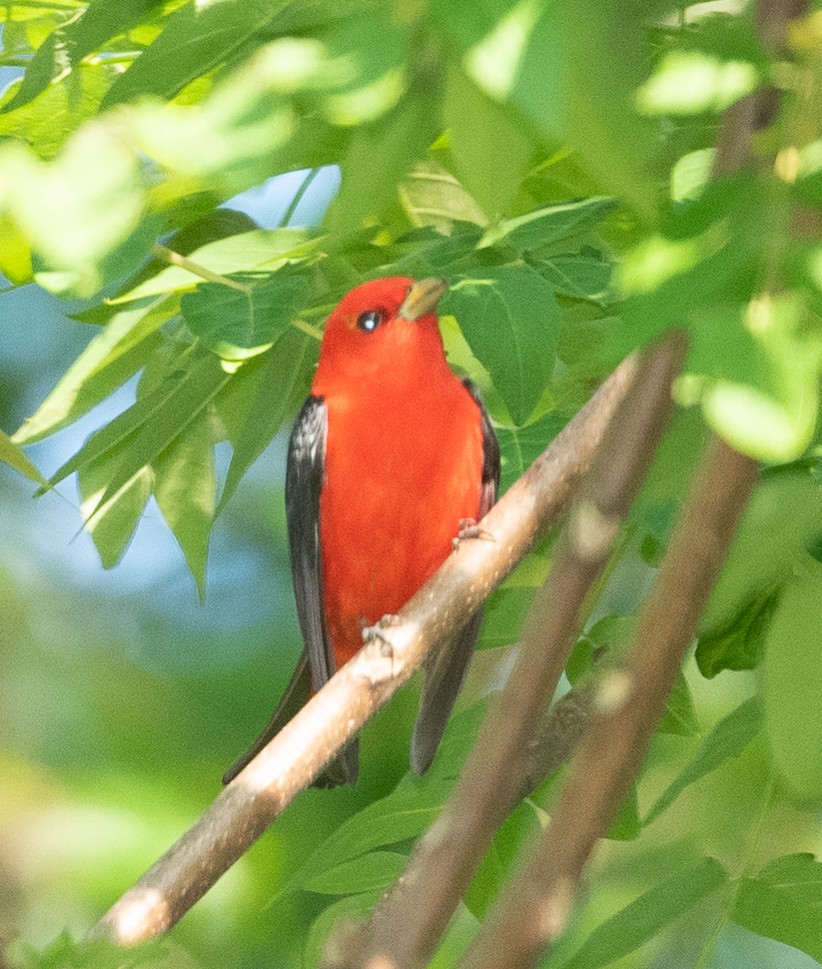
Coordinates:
116	514
76	38
688	82
491	150
12	455
431	195
78	210
256	250
196	38
398	139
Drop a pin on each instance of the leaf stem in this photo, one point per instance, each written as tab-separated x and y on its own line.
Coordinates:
175	259
298	197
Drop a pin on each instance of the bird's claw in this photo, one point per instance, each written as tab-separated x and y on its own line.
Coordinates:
468	528
370	633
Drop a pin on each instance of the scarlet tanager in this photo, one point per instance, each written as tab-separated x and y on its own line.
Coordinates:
389	456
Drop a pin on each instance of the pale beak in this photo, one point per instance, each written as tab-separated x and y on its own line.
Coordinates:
422	298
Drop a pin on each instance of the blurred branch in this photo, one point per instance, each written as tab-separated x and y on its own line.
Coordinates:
409	921
245	808
535	908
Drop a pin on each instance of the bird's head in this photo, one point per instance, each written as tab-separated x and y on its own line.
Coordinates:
383	324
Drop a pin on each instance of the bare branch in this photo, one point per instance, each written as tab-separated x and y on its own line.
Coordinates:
535	908
245	808
408	923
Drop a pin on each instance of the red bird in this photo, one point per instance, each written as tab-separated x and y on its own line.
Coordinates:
388	456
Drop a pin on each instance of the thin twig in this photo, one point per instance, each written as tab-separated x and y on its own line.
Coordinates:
408	923
175	259
299	195
245	808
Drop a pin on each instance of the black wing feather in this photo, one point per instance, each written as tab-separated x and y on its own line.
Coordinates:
303	485
445	675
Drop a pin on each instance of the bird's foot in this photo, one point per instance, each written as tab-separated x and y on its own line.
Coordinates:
370	633
468	528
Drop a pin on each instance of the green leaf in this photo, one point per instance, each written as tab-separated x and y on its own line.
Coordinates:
439	257
548	226
727	739
75	39
350	907
240	323
377	869
784	902
679	717
78	210
47	122
191	394
491	150
504	614
514	51
393	819
692	82
738	642
257	250
780	523
111	519
627	825
520	446
12	455
283	377
791	677
397	139
431	195
107	362
459	738
135	438
648	915
196	39
578	275
605	59
510	318
185	488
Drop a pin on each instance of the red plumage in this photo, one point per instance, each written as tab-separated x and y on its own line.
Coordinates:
388	454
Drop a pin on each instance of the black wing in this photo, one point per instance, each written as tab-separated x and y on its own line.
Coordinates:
444	677
303	484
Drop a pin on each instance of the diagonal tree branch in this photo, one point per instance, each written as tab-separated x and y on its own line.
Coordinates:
534	910
407	925
245	808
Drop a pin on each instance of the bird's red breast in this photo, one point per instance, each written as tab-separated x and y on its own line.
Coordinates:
403	462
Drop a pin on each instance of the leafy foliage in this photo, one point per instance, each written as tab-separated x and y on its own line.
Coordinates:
557	167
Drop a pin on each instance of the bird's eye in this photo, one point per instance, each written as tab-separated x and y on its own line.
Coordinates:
369	321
